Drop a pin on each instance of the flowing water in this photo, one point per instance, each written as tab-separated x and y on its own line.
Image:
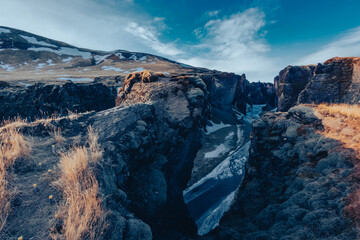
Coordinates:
210	197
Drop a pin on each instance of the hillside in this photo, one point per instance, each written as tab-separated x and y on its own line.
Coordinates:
25	57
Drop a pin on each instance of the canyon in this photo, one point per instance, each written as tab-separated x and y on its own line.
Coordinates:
187	153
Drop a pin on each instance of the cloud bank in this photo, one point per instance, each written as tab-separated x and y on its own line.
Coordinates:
346	45
105	25
235	44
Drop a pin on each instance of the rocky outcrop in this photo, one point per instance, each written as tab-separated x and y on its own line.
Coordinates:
43	99
180	108
335	81
289	83
295	184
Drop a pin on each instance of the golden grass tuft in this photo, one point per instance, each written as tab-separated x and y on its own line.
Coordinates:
12	146
58	136
82	211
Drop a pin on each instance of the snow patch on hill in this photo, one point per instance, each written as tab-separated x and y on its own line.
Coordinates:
99	58
7	67
111	68
33	40
64	51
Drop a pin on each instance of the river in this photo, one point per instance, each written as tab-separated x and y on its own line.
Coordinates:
211	196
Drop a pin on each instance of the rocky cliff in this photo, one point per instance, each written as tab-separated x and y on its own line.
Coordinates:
335	81
296	184
45	99
289	84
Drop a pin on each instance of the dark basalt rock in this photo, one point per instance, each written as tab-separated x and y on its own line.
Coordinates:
228	89
3	84
289	83
335	81
42	99
160	173
260	93
295	184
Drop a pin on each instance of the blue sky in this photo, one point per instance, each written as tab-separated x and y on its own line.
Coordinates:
255	37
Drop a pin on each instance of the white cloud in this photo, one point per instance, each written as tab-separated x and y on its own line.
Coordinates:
159	19
213	13
235	44
346	45
87	24
148	36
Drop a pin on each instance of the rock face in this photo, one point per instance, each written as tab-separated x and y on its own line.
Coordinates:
289	83
225	89
335	81
180	108
295	184
43	99
262	93
222	92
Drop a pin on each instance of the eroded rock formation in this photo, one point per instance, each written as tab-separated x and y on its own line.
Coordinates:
335	81
289	83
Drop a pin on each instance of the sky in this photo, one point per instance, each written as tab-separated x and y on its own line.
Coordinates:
255	37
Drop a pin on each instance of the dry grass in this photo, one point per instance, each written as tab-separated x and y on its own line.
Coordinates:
12	124
18	122
57	135
82	212
12	146
342	122
55	117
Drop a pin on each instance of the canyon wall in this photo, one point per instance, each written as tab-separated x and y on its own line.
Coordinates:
335	81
